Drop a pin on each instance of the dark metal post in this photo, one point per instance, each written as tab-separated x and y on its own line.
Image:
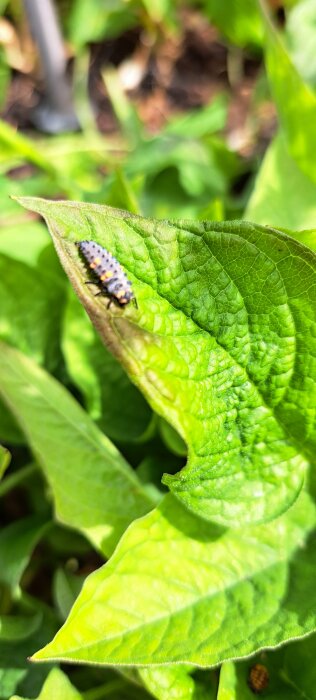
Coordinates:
56	113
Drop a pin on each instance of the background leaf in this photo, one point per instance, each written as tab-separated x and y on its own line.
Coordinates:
290	670
57	685
94	489
283	194
295	101
16	673
111	399
17	542
5	458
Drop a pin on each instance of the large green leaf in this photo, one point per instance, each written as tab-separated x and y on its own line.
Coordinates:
178	590
94	489
221	345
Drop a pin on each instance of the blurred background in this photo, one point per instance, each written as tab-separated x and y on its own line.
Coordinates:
156	106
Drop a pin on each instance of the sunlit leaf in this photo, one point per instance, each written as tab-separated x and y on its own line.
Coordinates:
180	590
221	346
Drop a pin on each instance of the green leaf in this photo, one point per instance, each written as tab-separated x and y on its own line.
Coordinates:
298	668
4	76
176	683
227	683
172	439
5	459
239	20
94	489
180	590
31	321
221	346
19	637
283	195
66	588
57	685
16	478
200	122
123	108
295	101
92	20
195	162
111	399
300	33
20	145
19	627
10	432
17	542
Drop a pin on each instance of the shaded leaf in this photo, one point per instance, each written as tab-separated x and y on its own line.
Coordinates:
176	683
66	587
57	685
111	399
17	542
31	321
290	673
94	489
5	459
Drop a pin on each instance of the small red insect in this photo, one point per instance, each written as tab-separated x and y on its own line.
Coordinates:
112	279
258	678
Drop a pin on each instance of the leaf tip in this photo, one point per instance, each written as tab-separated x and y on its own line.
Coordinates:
42	655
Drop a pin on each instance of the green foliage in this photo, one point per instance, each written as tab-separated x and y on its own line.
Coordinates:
172	537
5	459
56	685
281	189
300	33
225	369
213	575
295	101
238	20
84	469
17	542
111	399
291	673
94	20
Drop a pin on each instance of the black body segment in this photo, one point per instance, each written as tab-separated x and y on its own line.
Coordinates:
111	278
